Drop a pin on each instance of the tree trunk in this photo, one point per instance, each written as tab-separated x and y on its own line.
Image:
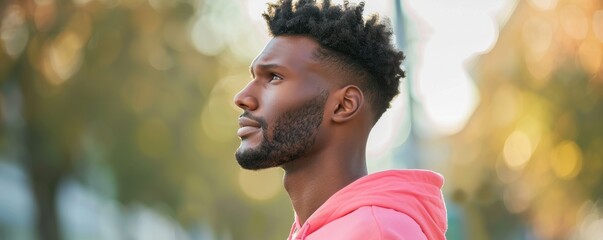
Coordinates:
43	165
44	187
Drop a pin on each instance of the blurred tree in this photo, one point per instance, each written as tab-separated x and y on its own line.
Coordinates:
80	75
118	85
531	157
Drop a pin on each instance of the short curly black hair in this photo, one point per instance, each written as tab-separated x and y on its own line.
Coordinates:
365	50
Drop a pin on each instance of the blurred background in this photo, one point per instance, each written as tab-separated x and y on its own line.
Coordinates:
117	121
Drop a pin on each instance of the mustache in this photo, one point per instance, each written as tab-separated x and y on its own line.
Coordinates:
260	120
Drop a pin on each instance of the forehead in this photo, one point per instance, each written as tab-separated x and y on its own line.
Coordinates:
289	51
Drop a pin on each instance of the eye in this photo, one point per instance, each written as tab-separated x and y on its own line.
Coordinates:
275	77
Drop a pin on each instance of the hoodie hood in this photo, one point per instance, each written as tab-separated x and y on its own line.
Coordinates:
416	193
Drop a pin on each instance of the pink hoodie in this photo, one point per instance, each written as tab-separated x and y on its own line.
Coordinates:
394	204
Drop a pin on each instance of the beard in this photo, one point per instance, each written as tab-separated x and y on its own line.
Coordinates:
293	134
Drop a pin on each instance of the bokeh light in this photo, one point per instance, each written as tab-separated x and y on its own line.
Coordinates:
517	150
13	31
261	185
566	160
535	126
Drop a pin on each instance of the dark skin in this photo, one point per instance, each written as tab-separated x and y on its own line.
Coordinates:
286	74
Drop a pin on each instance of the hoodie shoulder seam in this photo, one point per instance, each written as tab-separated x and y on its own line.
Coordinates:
376	222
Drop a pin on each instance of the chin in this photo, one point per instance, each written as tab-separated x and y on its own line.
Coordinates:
255	160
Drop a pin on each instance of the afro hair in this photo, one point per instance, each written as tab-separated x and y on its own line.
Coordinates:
361	48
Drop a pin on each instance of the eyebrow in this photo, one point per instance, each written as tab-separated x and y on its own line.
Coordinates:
264	67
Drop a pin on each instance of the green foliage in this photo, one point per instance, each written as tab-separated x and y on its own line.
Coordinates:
112	86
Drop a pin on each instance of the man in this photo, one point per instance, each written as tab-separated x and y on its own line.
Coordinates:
317	89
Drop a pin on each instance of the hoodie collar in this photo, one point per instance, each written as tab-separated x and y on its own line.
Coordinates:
415	193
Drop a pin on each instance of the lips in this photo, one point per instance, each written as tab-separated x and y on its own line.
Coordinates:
247	127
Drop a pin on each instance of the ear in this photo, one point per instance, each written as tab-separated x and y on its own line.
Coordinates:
350	100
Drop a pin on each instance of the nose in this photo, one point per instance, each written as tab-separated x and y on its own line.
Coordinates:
245	99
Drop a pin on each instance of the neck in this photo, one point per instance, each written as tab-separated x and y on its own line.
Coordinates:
311	181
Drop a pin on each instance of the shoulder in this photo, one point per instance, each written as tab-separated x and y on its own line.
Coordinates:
371	222
395	225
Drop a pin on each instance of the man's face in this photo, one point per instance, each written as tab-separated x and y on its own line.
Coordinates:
283	104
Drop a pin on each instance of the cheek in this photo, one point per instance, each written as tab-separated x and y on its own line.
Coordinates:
274	107
285	98
270	107
277	102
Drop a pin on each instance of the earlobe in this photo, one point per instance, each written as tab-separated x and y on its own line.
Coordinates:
350	100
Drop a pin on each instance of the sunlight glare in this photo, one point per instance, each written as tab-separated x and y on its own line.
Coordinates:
447	94
456	34
255	9
391	130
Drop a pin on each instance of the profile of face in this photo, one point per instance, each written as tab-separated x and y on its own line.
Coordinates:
283	104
